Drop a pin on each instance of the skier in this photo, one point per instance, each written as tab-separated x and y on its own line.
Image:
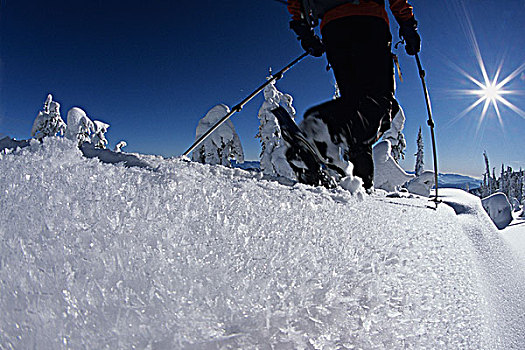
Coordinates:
357	41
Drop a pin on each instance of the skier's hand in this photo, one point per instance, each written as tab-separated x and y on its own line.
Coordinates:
310	42
408	32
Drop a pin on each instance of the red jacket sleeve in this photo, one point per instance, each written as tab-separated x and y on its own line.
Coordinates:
401	10
294	7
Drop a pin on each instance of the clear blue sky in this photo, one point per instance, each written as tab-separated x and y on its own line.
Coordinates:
152	69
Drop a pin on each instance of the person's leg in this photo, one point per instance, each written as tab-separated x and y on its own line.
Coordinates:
363	162
358	49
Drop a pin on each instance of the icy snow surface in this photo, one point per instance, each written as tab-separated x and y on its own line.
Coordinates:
190	256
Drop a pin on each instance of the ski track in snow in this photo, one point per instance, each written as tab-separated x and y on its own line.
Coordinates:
193	256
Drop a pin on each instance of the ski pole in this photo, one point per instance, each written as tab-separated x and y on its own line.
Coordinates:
239	107
430	122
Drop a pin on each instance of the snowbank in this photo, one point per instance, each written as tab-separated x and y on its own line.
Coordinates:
502	270
193	256
514	234
7	144
499	209
388	175
422	184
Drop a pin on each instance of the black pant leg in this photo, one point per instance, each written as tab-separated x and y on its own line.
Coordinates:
358	49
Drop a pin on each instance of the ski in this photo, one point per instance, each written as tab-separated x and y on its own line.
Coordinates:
305	159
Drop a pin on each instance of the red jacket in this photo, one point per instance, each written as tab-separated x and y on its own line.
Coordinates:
401	10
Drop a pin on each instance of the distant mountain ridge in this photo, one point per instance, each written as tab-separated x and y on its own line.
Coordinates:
458	181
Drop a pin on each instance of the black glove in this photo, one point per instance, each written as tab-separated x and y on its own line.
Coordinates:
310	42
408	32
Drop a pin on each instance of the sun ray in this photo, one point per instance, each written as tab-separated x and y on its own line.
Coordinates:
470	77
513	92
496	76
500	119
483	114
463	72
466	111
511	76
517	110
477	52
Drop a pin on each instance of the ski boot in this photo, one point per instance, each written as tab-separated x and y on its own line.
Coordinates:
304	158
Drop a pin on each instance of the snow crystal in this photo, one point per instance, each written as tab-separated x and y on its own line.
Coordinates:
184	255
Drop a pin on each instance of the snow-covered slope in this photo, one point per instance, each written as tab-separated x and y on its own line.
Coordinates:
515	235
192	256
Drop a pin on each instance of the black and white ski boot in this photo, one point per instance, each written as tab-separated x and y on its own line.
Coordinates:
308	164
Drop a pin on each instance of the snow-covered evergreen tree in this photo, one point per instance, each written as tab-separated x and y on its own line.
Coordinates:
514	184
273	160
396	137
490	184
495	183
79	126
519	185
503	181
120	145
48	122
523	188
223	144
98	138
484	188
419	154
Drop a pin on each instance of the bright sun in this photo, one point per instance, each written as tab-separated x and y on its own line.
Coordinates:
491	91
